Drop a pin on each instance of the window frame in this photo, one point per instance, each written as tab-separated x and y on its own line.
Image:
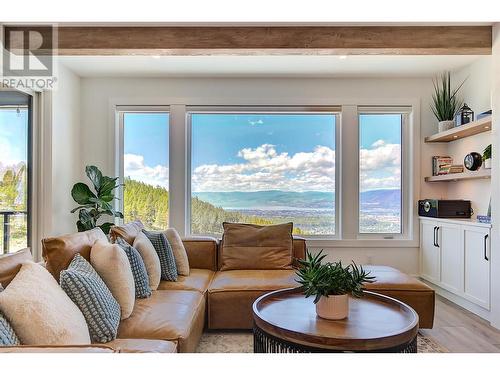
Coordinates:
119	157
299	110
406	172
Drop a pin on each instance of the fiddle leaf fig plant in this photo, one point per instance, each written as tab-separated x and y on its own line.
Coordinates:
324	279
96	201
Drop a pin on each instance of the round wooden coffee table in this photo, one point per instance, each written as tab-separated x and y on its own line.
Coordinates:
286	322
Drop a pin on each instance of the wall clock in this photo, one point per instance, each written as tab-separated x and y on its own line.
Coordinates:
473	161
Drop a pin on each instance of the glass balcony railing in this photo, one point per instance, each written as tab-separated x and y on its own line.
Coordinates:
13	230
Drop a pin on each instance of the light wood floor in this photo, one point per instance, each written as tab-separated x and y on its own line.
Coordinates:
459	331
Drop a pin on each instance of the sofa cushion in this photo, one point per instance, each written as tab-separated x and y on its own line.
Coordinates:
396	284
58	349
10	264
165	254
180	255
126	231
58	252
150	258
202	252
253	280
94	299
251	247
143	346
232	293
40	312
7	334
198	279
139	273
112	265
174	315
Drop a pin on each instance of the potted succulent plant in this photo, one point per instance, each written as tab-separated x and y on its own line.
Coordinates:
445	102
487	157
331	284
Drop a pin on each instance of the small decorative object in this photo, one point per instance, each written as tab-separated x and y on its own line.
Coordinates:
465	115
473	161
331	283
487	157
92	205
484	219
441	165
445	103
483	114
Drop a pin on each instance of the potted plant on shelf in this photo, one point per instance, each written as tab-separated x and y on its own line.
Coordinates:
487	157
331	284
445	102
94	204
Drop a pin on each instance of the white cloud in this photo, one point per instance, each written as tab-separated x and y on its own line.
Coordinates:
257	122
263	168
135	168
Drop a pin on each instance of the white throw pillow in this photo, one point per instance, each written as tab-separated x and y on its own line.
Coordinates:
112	264
180	254
150	258
40	312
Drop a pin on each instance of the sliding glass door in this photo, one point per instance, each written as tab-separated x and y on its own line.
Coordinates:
15	167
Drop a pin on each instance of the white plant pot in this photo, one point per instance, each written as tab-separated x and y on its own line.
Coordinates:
333	307
445	125
487	164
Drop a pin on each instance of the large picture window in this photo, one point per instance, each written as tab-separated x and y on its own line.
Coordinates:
146	167
380	182
263	168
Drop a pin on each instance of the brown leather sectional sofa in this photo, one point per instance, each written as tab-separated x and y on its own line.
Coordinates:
174	317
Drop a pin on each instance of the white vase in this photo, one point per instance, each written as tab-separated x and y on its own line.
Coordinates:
445	125
487	164
333	307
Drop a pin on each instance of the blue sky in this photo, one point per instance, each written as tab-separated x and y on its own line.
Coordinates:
217	139
13	136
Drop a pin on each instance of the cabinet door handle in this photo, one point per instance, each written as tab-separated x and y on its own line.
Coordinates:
434	239
437	236
486	247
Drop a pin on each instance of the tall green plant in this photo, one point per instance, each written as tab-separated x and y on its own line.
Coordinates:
94	204
328	279
445	102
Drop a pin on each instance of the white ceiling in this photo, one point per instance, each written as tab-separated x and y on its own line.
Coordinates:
263	66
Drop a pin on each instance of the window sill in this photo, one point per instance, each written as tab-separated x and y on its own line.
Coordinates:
361	243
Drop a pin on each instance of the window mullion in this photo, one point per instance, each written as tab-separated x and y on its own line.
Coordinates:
349	182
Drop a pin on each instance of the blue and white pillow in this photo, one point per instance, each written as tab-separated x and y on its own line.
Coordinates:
87	290
165	253
141	278
7	335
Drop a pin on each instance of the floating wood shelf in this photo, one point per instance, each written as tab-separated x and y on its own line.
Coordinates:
463	131
482	173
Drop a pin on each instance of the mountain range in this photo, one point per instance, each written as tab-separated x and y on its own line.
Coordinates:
273	199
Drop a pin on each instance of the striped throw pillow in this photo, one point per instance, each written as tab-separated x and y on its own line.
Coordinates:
165	253
7	335
141	278
87	290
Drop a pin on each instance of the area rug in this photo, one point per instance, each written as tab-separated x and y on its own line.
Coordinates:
242	342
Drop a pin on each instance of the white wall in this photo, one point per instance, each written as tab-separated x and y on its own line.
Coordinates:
97	94
476	92
66	145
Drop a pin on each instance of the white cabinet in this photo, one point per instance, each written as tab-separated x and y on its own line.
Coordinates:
450	241
454	255
430	255
477	266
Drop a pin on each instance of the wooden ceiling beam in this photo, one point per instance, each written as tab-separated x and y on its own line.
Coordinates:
286	40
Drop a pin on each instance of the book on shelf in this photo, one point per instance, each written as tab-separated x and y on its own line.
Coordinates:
441	165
